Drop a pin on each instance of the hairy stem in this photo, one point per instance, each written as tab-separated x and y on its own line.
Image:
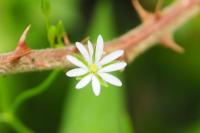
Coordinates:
134	42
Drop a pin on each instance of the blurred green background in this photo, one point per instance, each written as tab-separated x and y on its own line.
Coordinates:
161	92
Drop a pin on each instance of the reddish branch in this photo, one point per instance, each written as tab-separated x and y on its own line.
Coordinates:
156	27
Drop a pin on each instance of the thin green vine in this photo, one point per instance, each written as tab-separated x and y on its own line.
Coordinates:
55	38
34	91
18	125
9	117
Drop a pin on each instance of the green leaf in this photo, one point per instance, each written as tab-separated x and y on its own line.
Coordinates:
103	22
52	35
86	113
59	33
46	7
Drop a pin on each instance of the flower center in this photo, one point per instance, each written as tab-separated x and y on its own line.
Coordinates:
93	68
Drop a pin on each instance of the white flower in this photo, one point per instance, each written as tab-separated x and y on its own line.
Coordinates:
95	68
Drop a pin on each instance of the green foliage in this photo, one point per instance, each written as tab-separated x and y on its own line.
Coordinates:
86	113
60	32
52	35
162	86
56	34
102	21
42	87
8	111
18	125
46	8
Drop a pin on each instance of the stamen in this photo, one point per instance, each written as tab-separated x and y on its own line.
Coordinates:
93	68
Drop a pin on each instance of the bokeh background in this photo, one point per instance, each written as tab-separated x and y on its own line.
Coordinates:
161	92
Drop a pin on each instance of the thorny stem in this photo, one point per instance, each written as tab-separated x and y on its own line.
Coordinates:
134	42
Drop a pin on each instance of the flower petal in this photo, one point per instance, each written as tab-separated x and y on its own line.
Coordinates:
111	57
76	72
83	51
110	79
84	81
91	51
113	67
96	85
99	48
75	61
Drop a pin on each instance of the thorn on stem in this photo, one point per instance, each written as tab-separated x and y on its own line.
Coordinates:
66	39
168	41
144	15
158	8
125	57
85	40
22	48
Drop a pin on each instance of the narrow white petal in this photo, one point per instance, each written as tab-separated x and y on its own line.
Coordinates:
91	50
99	48
96	85
113	67
75	61
84	81
110	79
77	72
111	57
83	51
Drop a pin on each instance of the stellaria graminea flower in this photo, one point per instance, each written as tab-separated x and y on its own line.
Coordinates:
93	67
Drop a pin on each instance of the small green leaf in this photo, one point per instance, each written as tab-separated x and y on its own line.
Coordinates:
52	35
46	7
60	32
